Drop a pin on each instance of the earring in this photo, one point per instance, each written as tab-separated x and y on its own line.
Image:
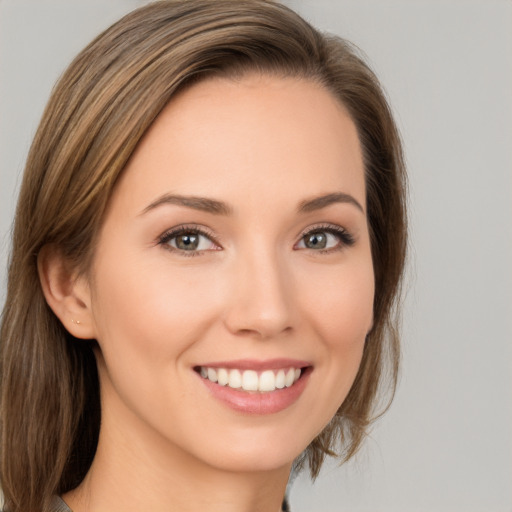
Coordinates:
77	322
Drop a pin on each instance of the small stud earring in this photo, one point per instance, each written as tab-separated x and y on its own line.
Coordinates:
75	321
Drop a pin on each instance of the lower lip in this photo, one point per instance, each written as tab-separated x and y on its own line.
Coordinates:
254	402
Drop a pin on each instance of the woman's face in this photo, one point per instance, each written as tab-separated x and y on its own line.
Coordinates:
234	255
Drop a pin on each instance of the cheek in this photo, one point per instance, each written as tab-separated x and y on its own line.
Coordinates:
147	321
156	311
342	308
352	319
341	314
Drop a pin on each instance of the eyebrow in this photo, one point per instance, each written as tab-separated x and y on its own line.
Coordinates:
203	204
215	207
317	203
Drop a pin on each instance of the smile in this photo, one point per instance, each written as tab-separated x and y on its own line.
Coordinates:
252	380
251	386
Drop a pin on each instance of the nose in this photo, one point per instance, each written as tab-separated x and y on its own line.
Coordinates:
261	304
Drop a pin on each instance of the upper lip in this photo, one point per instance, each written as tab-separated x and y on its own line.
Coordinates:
257	364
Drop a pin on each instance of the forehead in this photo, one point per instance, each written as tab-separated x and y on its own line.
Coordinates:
257	137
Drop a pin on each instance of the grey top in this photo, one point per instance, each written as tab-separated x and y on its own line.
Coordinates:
58	505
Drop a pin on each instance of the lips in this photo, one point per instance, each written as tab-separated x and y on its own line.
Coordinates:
256	387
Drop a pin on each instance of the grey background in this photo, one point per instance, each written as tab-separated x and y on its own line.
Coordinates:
446	444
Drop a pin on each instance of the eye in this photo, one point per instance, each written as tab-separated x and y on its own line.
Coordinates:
325	238
185	239
319	240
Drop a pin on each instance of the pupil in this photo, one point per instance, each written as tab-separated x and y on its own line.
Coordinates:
316	241
187	242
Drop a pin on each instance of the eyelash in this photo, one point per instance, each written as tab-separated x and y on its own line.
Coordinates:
344	237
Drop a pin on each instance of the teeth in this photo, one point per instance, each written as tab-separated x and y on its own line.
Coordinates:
290	376
280	379
250	380
267	381
235	379
222	376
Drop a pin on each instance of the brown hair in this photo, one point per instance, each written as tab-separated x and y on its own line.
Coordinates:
98	112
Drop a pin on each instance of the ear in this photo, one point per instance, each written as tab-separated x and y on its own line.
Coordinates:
67	293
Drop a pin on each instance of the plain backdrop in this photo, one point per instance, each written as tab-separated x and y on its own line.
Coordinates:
446	444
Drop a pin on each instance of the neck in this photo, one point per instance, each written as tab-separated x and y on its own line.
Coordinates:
128	475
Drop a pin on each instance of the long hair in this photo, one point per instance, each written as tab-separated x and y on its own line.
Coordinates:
98	112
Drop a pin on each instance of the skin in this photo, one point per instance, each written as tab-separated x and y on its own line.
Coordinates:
262	146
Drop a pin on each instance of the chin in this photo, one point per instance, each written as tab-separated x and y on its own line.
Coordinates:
271	450
255	461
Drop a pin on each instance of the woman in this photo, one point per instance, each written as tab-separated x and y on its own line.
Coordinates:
207	254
